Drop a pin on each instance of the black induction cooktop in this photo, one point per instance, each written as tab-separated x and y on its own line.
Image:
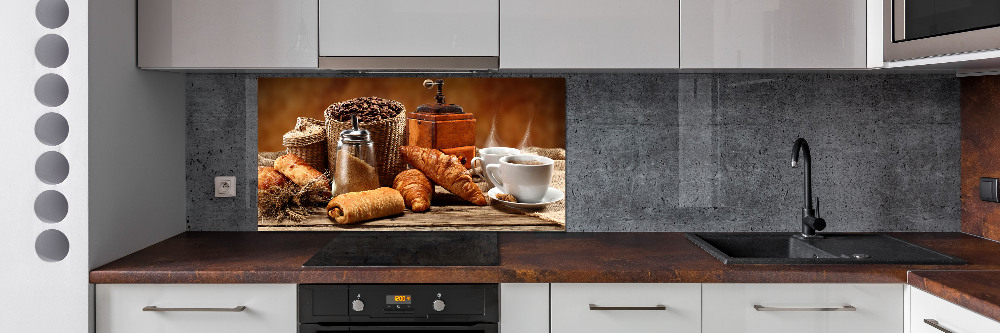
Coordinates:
409	248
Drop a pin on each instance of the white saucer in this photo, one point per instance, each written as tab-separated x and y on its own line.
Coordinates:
552	196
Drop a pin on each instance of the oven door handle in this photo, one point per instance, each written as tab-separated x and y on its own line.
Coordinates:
415	327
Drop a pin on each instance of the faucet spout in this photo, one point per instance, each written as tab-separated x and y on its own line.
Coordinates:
810	222
803	146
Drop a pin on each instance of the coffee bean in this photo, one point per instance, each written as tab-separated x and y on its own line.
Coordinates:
368	109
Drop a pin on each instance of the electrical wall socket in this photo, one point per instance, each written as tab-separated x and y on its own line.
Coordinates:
988	189
225	186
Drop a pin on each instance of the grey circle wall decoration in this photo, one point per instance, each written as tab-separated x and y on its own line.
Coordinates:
51	90
51	51
52	167
52	245
51	129
51	206
52	13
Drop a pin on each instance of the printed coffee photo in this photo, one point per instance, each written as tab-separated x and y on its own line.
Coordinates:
411	154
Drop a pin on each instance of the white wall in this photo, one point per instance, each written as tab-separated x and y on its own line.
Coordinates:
137	126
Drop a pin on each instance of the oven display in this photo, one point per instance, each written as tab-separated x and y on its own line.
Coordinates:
397	299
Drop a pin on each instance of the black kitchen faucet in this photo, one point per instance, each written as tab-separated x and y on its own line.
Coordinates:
810	222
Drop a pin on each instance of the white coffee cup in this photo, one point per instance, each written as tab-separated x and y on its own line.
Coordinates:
526	182
491	155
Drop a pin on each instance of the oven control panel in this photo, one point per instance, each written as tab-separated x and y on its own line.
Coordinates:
410	299
399	303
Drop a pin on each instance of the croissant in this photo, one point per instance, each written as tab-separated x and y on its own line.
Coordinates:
416	189
445	170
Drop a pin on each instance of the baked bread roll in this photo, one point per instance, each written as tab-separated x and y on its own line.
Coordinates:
361	206
416	189
296	169
445	170
267	178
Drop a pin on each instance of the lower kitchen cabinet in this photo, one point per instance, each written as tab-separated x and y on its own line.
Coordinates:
570	308
930	314
524	308
802	308
196	308
625	307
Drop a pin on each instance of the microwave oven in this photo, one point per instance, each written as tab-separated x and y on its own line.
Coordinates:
915	29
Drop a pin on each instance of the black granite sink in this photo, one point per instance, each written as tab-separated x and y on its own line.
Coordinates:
786	248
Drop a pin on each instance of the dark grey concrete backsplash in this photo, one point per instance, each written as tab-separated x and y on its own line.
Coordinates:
682	152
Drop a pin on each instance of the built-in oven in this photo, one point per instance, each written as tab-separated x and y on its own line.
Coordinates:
465	308
927	28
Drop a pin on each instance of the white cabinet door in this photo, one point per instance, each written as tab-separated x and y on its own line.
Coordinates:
626	307
780	308
268	308
951	317
524	308
407	28
774	34
227	34
589	34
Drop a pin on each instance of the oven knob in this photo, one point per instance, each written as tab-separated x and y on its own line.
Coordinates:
358	305
438	305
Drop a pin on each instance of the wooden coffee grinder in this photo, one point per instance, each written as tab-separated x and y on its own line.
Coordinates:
443	126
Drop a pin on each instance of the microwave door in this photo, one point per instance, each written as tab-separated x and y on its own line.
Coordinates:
914	29
916	19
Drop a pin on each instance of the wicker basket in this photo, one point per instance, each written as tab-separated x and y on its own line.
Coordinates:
308	141
387	136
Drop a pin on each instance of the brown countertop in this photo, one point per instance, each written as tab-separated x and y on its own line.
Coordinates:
978	291
277	257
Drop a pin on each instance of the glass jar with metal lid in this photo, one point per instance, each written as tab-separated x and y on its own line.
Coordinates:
355	163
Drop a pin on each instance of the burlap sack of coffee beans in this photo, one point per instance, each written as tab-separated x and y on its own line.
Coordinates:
384	119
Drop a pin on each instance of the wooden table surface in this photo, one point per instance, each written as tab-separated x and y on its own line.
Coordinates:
448	213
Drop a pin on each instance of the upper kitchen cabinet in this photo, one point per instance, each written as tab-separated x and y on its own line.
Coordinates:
219	34
406	34
582	34
780	34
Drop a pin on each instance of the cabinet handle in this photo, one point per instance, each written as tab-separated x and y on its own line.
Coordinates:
233	309
935	324
630	308
759	307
